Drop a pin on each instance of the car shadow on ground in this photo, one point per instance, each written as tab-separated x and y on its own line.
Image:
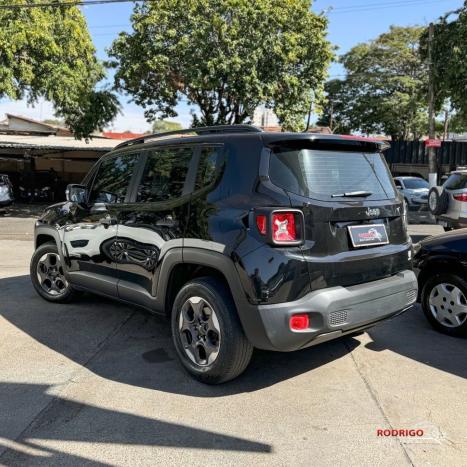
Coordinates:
412	336
71	421
134	347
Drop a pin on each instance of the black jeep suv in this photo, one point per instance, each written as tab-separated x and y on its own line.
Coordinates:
242	238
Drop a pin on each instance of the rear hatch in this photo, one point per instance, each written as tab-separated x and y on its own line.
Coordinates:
456	186
354	217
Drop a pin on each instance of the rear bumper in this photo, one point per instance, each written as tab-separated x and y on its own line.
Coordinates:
459	223
337	311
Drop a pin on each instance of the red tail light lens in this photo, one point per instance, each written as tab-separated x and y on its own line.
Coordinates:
283	227
462	197
261	223
299	322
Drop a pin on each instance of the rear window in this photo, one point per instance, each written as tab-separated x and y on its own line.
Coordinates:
321	174
456	182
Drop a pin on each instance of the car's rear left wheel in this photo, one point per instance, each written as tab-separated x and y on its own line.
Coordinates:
207	333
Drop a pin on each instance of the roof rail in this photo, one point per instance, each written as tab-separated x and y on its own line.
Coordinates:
197	131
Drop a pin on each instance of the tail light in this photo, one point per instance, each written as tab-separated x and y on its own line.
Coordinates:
261	223
462	197
281	227
299	322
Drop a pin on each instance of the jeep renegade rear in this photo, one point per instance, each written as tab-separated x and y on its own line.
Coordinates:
242	238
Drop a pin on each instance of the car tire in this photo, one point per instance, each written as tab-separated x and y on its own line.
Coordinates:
443	300
438	200
207	333
47	275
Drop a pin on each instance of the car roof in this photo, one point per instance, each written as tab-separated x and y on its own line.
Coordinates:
229	133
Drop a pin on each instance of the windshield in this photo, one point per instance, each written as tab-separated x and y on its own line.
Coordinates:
415	183
328	174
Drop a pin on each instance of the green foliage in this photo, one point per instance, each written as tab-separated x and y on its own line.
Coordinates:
160	126
449	58
47	52
335	108
385	88
224	56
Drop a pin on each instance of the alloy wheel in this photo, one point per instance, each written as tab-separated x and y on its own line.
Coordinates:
50	274
199	331
448	305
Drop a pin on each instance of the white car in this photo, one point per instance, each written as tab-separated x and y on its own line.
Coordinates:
449	202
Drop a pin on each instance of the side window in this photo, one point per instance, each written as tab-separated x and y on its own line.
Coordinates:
164	175
113	178
456	182
398	183
207	166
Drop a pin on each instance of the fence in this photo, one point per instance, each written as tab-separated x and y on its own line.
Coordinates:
412	156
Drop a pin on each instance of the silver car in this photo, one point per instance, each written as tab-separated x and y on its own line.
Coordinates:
415	191
449	202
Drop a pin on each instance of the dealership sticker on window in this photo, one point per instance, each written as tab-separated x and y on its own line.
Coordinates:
368	235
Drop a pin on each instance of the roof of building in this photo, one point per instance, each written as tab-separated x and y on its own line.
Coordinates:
122	135
56	142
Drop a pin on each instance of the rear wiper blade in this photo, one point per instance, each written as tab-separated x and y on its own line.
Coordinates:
353	194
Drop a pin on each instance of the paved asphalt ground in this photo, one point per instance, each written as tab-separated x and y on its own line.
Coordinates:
97	383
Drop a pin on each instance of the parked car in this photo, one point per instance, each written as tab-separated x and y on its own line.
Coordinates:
38	186
414	190
449	202
441	264
241	238
6	192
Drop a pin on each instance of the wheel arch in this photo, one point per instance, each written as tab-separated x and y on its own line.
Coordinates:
45	235
437	266
197	262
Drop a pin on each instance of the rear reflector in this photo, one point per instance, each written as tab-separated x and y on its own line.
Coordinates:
299	322
283	227
261	223
462	197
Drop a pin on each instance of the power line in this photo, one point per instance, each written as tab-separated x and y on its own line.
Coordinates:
61	4
382	5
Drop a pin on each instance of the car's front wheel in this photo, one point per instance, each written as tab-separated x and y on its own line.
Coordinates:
444	302
48	277
207	332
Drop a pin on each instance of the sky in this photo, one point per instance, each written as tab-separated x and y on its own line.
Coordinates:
350	22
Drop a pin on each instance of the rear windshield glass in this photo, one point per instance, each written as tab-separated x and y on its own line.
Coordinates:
322	174
456	182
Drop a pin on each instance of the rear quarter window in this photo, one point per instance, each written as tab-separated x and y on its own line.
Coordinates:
456	182
321	174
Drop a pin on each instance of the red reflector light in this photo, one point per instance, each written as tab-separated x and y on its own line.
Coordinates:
283	227
261	223
462	197
299	322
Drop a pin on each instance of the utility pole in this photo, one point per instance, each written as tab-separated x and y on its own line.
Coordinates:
432	162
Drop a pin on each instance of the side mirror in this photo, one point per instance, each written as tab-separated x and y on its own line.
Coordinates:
398	187
76	194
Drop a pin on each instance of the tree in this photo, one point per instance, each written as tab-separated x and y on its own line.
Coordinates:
160	126
449	62
47	52
224	56
385	87
335	107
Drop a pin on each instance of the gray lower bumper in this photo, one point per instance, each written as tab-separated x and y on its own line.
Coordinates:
337	311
